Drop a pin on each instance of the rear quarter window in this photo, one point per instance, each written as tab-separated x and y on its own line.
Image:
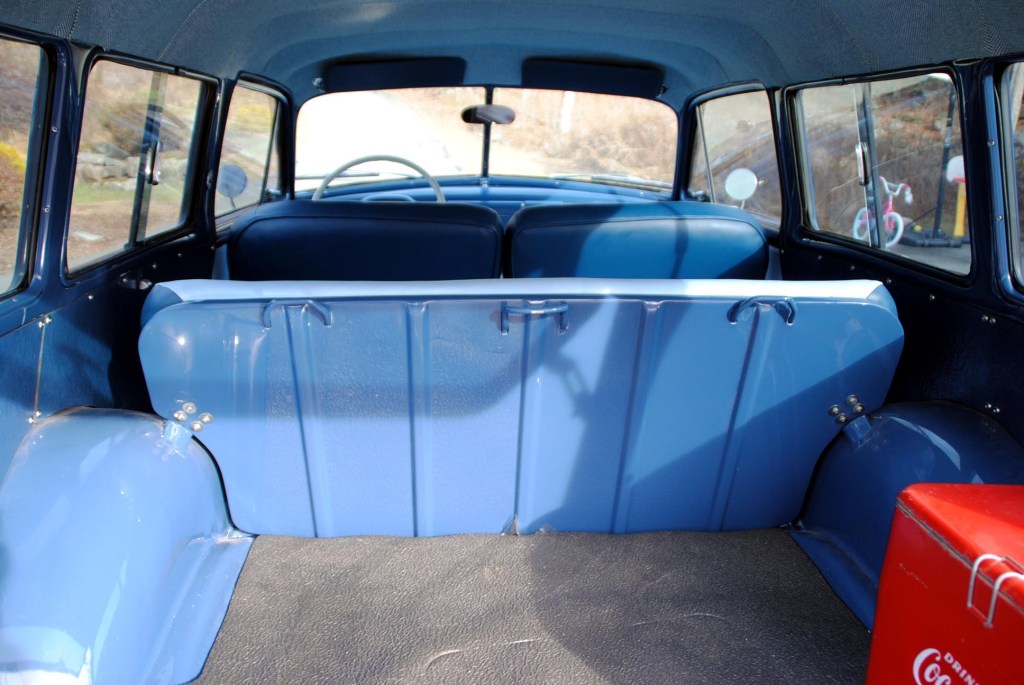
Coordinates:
132	172
883	167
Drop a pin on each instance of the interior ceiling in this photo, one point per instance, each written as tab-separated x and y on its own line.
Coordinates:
699	43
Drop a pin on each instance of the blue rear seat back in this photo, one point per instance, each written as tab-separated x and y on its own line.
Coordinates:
650	240
365	241
403	409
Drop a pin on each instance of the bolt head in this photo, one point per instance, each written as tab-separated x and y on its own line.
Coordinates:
196	426
833	410
189	408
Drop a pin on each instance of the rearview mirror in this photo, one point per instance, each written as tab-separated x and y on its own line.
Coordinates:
488	114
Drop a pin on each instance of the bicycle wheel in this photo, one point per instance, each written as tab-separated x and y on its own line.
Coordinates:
893	228
860	225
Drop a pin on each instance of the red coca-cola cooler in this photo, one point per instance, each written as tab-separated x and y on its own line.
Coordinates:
951	597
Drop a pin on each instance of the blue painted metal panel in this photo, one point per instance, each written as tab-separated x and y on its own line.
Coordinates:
410	416
690	369
574	415
466	381
119	559
845	526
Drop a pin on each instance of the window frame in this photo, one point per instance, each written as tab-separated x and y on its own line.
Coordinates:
772	225
805	229
35	164
197	162
1010	256
277	136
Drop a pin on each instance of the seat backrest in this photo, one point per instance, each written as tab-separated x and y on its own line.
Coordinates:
650	240
365	241
457	407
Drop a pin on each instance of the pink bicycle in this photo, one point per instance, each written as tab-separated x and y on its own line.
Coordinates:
893	220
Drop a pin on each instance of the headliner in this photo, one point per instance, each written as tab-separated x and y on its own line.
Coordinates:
699	44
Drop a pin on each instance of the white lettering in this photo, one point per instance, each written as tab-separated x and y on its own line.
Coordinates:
923	656
928	668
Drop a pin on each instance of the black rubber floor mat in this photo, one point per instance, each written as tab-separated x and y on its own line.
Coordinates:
675	607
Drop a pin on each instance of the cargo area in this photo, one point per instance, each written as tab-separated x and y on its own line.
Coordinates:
666	607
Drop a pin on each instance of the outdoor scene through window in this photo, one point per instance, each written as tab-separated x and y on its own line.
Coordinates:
734	160
884	166
137	132
19	73
561	135
247	158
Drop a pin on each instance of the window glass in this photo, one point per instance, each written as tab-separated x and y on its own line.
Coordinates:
1013	87
246	155
600	138
20	76
884	165
734	160
137	133
605	139
422	125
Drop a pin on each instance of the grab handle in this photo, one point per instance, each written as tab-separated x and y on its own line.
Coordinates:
783	306
539	309
318	310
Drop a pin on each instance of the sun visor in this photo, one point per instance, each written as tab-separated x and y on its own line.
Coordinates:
394	73
637	80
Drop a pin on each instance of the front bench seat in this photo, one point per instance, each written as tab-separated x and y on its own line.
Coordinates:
650	240
365	241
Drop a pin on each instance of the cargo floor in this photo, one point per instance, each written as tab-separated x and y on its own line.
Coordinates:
549	608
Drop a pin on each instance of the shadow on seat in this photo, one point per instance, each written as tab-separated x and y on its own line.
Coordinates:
655	240
371	241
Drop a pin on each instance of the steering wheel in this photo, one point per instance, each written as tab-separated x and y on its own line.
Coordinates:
379	158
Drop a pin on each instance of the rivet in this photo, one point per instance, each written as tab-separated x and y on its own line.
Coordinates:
992	320
154	265
834	410
931	298
196	426
888	281
179	415
820	258
999	217
853	267
189	407
842	418
90	296
206	417
858	409
995	410
991	143
852	400
984	318
988	406
53	128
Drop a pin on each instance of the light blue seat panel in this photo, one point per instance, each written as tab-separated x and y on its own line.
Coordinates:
432	408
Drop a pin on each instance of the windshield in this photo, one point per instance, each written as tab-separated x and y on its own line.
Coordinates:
602	139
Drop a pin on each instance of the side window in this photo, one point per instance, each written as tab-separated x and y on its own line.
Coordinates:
249	170
22	75
734	160
138	131
883	166
1013	97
